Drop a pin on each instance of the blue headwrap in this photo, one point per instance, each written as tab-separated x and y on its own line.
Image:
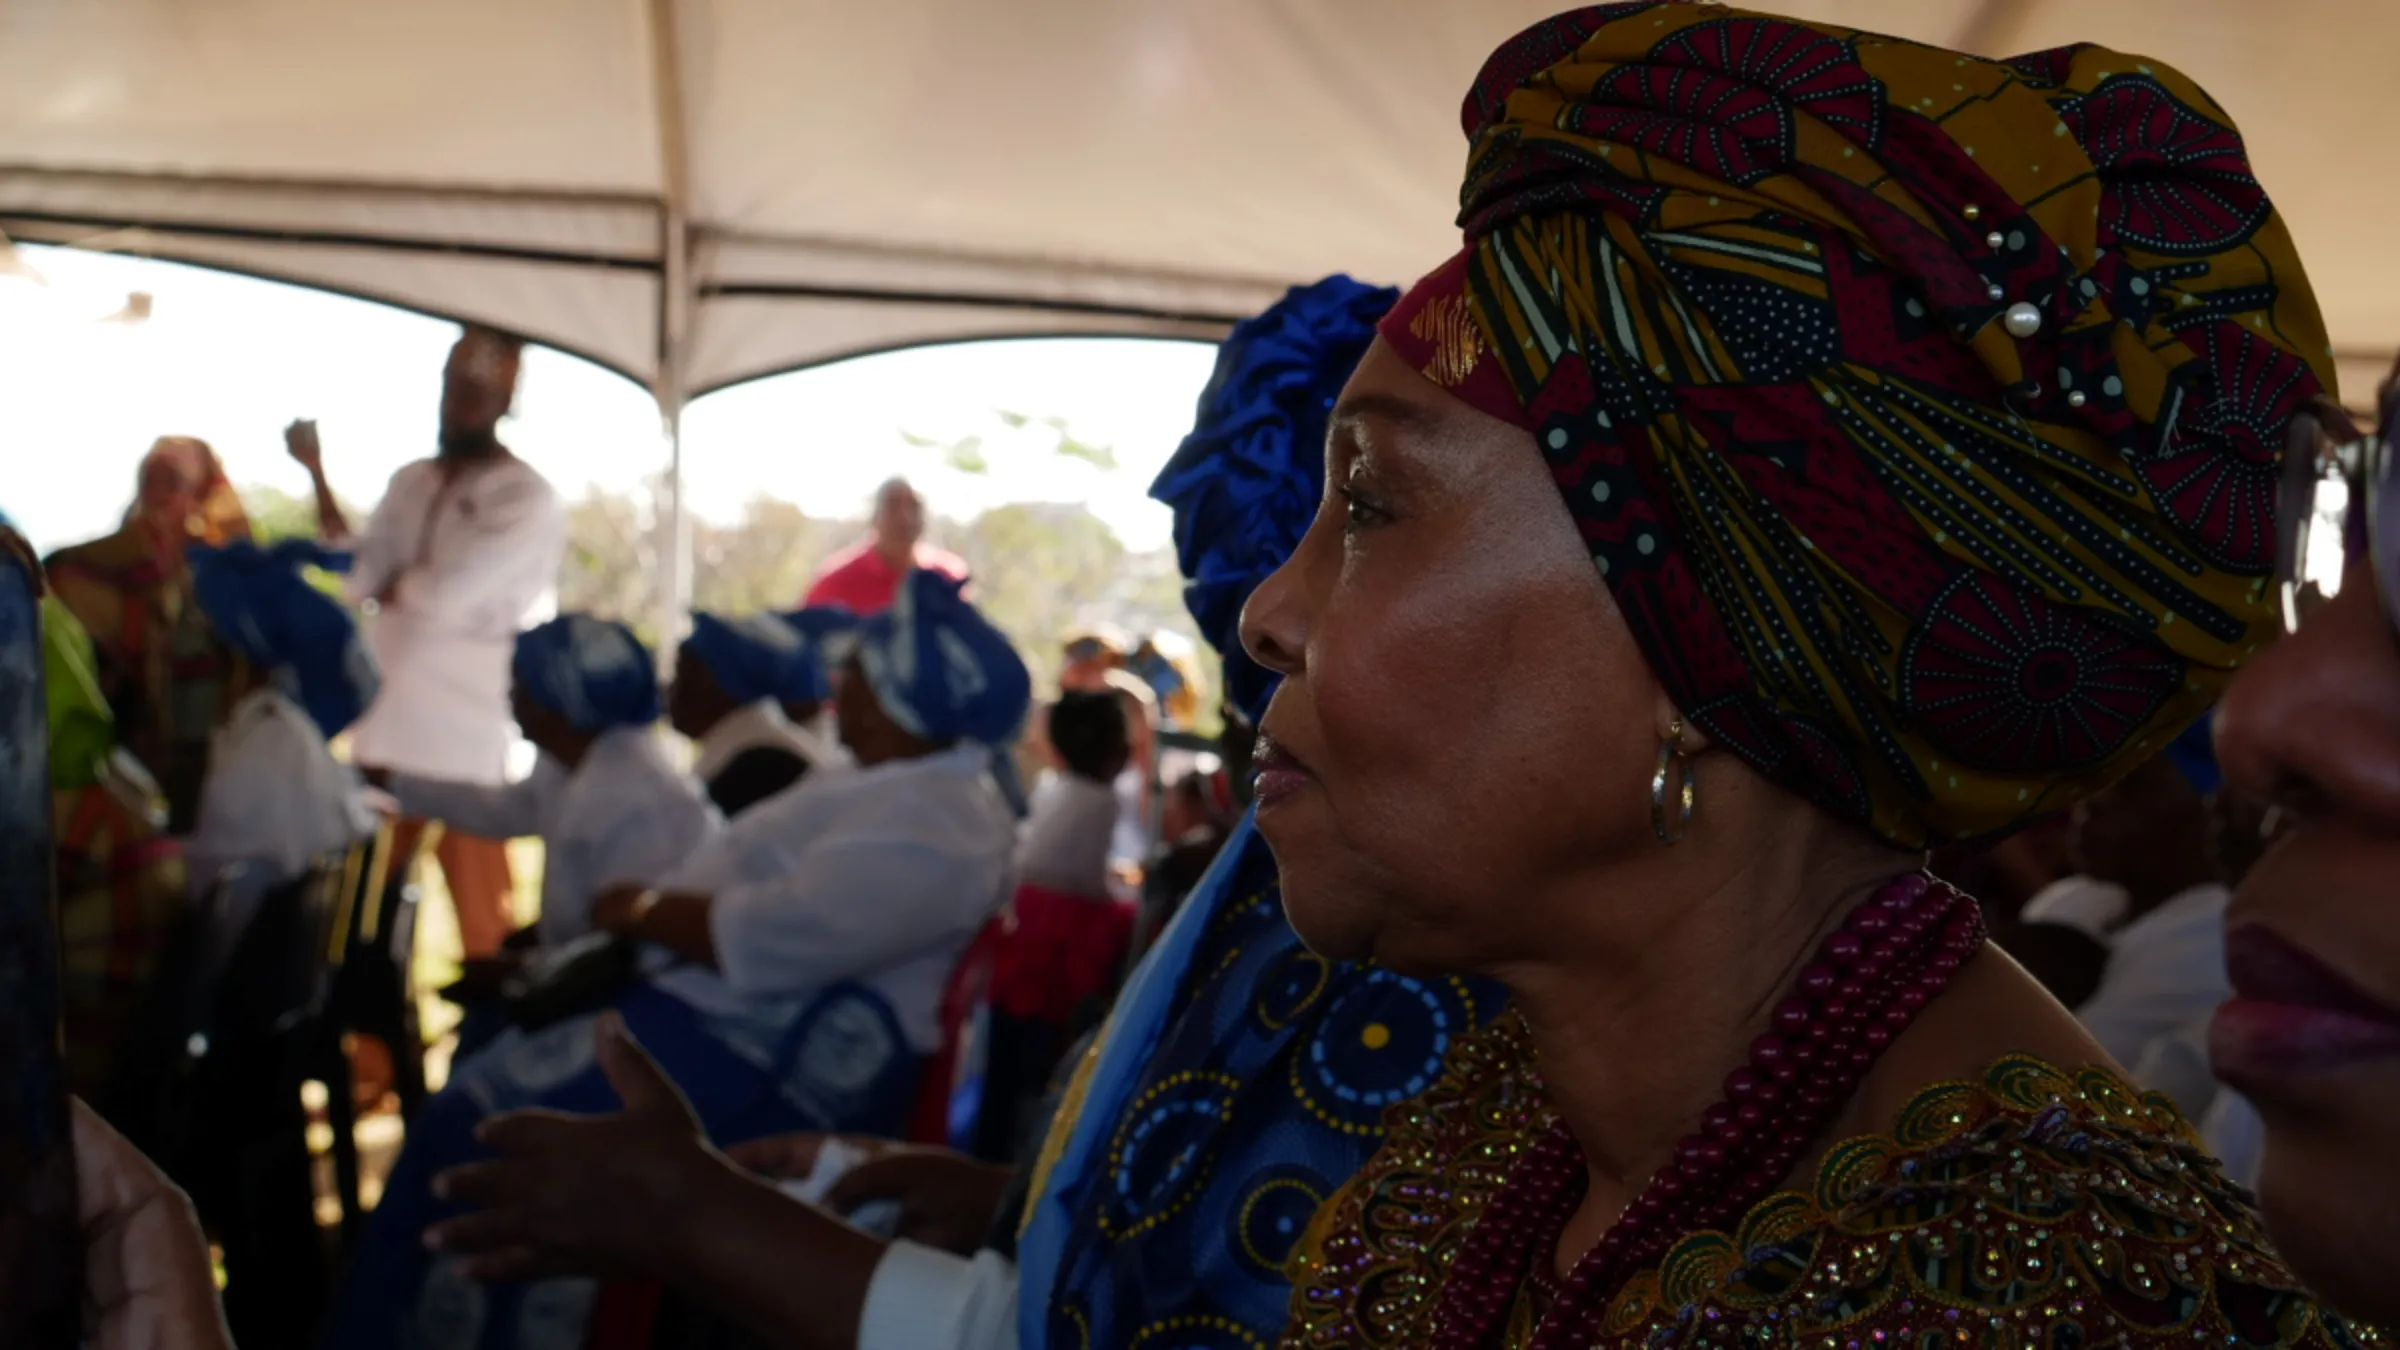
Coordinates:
1246	481
593	672
2195	752
830	632
939	667
757	656
261	605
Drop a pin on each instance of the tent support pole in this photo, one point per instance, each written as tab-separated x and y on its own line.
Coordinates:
675	303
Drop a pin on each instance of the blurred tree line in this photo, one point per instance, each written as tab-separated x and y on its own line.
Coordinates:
1044	571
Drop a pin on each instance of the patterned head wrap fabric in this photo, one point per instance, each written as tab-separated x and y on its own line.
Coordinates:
757	656
1922	412
1245	483
593	672
261	605
219	518
829	631
940	669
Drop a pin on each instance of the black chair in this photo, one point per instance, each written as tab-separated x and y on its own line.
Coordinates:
362	988
204	1084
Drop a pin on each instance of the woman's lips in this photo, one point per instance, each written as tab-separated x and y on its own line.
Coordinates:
1281	775
2292	1015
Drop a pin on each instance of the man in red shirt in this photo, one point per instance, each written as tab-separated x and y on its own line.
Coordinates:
864	577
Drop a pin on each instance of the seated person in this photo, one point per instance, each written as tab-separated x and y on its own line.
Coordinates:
607	804
827	630
1058	951
1073	813
2151	893
120	877
732	679
275	799
799	966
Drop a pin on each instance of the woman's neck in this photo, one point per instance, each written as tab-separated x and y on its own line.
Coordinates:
1634	1038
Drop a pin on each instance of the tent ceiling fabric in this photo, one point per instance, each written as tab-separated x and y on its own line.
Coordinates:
860	177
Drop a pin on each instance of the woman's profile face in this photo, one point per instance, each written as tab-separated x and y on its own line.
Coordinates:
2312	1035
1473	717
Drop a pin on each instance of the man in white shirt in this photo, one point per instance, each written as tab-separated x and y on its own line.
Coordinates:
463	550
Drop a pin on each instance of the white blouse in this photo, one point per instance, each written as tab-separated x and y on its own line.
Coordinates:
275	797
879	875
625	816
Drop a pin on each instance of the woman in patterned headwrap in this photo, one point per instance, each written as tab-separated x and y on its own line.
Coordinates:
159	662
1823	448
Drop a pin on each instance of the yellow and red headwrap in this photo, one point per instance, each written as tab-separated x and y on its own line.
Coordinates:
1922	412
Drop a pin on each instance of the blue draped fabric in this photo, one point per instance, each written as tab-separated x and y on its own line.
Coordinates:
1245	483
757	656
833	1062
830	633
1241	1080
941	669
593	672
263	607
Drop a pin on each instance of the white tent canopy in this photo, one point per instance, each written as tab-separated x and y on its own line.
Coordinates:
696	192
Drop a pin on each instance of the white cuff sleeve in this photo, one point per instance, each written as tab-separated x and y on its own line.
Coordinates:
924	1299
2089	905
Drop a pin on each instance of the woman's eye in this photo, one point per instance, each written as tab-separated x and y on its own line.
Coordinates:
1360	511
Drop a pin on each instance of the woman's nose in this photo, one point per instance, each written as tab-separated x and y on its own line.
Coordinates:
1274	622
2313	725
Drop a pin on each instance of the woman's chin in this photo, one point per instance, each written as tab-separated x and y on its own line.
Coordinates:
1331	922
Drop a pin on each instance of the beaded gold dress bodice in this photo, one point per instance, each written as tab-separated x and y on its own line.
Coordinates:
2033	1209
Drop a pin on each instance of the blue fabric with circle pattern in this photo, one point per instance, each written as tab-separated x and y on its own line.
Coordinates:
1266	1092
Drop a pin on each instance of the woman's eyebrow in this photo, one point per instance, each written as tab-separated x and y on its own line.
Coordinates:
1360	408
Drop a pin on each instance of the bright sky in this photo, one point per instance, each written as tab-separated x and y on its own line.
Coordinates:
231	360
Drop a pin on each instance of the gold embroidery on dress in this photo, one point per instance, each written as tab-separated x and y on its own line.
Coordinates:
2036	1199
1447	325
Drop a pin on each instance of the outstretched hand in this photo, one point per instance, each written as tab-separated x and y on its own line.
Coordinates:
587	1195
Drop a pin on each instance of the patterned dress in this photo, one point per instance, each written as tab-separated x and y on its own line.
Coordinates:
1268	1087
2034	1209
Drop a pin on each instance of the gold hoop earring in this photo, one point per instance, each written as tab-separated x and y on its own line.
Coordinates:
1671	756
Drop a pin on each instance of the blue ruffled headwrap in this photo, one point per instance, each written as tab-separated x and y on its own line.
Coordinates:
829	632
939	667
593	672
1245	483
757	656
261	605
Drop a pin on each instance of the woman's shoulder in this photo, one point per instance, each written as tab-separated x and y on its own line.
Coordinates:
2030	1195
2033	1197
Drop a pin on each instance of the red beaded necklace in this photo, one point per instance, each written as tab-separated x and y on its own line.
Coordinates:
1870	980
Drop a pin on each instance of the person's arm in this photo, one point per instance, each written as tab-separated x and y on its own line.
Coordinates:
300	439
845	908
505	811
643	1191
508	552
